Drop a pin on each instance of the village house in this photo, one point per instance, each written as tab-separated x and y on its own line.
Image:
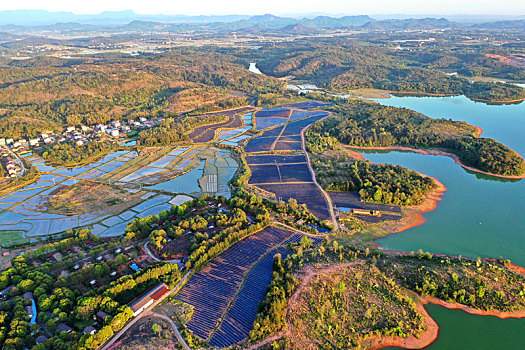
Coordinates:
148	298
64	328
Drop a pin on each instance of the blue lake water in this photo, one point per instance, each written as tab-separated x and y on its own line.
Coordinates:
478	216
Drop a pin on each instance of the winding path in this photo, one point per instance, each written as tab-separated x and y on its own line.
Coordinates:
174	328
309	163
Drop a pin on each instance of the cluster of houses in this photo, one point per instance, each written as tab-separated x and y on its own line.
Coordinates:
135	264
81	134
12	168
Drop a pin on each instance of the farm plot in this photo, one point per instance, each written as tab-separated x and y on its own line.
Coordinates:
59	201
211	290
304	193
287	145
308	105
279	173
238	320
212	169
228	134
298	114
286	138
277	112
247	118
260	144
232	112
294	128
163	162
263	123
206	133
264	174
272	159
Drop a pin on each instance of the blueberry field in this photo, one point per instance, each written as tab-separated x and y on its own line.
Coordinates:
238	321
206	133
260	144
273	112
304	193
211	290
263	123
267	169
279	159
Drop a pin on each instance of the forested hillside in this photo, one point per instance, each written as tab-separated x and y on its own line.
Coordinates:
343	65
44	93
364	124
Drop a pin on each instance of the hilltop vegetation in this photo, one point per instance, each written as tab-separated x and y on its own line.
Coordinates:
349	305
346	65
372	125
382	183
337	170
345	279
37	97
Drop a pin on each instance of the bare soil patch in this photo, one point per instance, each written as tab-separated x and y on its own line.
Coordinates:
87	197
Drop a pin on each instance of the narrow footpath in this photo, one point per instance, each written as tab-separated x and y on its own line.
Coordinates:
325	195
173	327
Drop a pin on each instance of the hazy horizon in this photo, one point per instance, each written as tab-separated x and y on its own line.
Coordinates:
514	8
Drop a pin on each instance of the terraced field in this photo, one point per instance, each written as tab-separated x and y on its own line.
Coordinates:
212	290
287	174
282	138
280	172
304	193
238	320
206	133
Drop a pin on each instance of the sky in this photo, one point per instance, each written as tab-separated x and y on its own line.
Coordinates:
278	7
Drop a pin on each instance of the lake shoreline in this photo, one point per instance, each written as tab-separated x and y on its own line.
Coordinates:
471	310
428	94
413	215
412	342
431	334
438	152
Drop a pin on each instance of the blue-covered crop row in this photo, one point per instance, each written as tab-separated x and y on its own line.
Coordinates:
211	290
304	193
238	321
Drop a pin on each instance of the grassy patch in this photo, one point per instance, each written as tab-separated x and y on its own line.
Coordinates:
12	238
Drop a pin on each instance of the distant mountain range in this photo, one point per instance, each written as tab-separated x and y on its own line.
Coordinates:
126	21
43	17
